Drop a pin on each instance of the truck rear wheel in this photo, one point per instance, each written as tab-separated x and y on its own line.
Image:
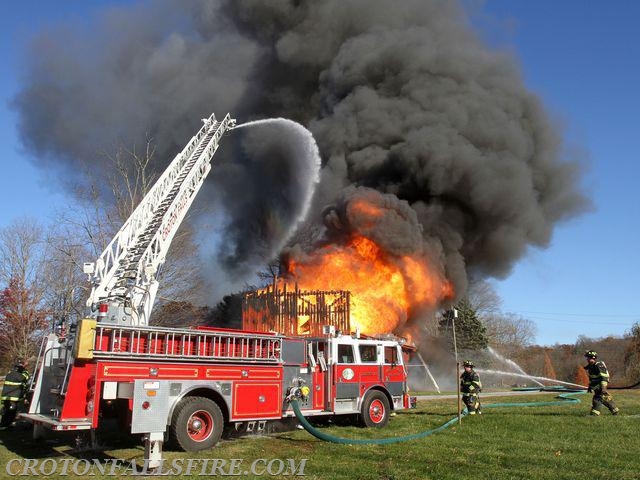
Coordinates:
375	410
197	424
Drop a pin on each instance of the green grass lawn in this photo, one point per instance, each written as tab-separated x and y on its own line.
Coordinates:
546	442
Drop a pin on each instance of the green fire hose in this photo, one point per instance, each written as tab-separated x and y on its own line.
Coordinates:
564	399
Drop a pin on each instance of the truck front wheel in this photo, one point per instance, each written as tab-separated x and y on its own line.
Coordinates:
375	409
196	424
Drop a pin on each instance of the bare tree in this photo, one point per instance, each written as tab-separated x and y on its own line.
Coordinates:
129	179
483	297
21	251
509	332
106	203
506	331
66	286
632	353
23	316
270	272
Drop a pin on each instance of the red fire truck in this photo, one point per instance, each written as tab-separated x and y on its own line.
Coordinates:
187	384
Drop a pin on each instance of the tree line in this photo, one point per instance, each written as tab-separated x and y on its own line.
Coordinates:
497	339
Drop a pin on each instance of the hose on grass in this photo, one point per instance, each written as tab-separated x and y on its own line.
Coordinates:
357	441
564	398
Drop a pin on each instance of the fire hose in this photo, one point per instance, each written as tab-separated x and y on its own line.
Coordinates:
564	399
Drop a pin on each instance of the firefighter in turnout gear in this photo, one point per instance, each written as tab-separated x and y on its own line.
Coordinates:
598	382
14	391
470	387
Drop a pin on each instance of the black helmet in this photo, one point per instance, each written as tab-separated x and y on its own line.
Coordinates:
468	363
591	354
20	363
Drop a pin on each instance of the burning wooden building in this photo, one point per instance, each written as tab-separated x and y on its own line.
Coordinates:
294	311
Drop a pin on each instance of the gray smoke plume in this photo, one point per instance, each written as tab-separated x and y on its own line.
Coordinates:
402	98
268	188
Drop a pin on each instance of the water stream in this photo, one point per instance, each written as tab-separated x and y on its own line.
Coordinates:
307	155
553	380
426	367
512	364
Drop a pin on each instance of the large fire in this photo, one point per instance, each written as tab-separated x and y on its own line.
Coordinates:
385	289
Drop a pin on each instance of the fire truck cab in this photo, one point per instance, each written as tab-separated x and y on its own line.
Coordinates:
350	375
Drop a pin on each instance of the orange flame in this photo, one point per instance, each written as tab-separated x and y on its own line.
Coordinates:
385	289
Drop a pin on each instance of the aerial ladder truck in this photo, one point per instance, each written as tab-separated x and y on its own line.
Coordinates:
187	384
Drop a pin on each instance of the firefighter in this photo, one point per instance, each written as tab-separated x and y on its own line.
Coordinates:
470	387
14	391
598	382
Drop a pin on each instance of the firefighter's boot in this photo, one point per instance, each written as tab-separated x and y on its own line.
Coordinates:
596	405
471	401
607	401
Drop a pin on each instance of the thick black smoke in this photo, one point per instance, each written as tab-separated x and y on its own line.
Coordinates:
402	97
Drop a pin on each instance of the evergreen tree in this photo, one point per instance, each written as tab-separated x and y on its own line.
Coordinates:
471	334
228	312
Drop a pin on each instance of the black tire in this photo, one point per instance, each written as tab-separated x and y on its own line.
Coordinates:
197	424
375	410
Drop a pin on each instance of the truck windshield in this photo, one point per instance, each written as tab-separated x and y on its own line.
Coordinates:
390	355
368	353
345	354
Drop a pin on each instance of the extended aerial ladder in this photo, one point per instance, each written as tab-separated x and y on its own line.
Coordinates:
124	278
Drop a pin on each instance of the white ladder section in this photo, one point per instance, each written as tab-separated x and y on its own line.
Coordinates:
194	345
124	277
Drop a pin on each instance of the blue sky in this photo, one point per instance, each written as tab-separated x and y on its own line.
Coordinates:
579	57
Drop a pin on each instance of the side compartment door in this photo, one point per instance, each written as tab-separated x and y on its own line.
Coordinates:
256	399
369	370
150	410
318	363
345	380
393	370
